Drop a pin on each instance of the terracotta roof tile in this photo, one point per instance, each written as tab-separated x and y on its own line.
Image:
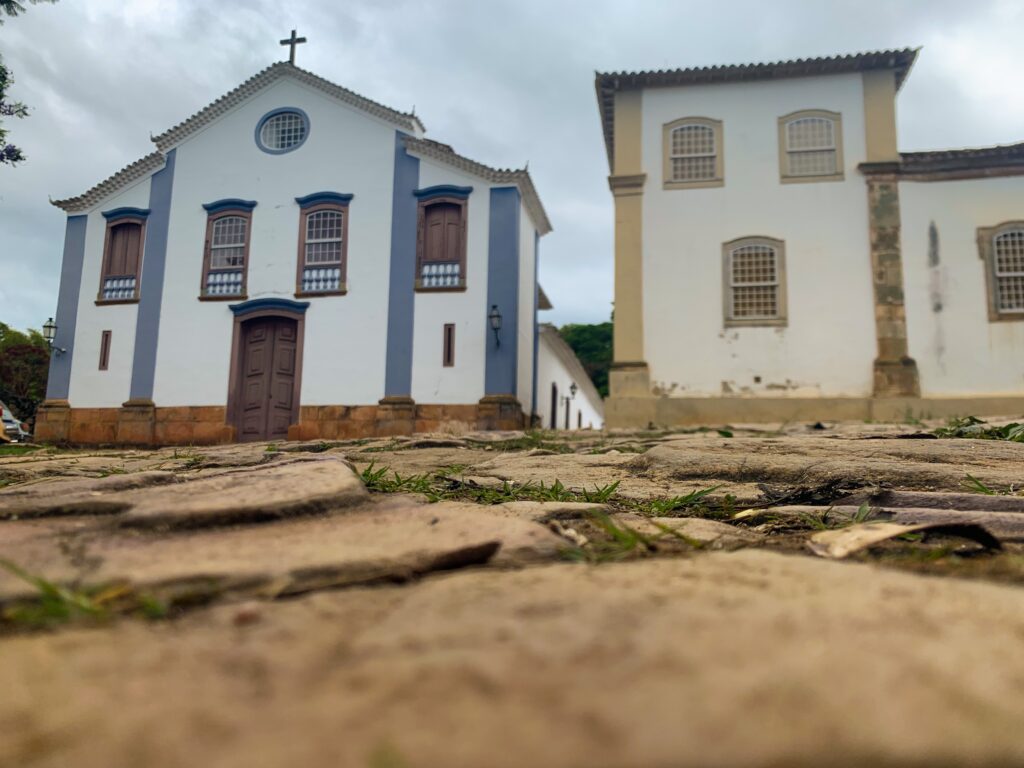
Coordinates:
140	169
260	80
518	177
607	83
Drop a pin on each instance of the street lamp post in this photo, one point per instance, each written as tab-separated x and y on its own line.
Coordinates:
494	318
50	333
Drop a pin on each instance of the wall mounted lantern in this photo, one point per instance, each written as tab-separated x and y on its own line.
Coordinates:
573	389
50	333
494	318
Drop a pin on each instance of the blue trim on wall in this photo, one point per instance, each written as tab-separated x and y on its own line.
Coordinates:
258	305
272	113
58	383
151	290
536	322
443	190
317	198
229	204
402	280
503	290
126	213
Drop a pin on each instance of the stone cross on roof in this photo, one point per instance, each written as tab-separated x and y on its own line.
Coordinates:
292	41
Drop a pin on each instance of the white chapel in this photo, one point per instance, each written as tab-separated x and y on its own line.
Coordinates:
295	261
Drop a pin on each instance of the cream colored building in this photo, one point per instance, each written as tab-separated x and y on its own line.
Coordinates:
778	258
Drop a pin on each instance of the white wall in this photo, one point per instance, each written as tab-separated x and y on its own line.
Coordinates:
824	226
958	351
463	382
525	332
91	387
345	336
552	369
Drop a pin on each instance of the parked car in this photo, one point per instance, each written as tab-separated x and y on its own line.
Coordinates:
13	428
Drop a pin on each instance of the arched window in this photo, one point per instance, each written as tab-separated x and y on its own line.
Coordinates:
693	153
441	244
122	258
810	146
1002	249
226	255
554	405
755	285
322	247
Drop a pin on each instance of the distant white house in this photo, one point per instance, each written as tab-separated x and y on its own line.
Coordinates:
567	398
777	257
295	261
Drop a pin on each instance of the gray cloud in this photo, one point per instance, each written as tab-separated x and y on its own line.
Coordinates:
504	82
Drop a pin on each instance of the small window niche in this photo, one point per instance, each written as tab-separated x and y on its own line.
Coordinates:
448	357
105	350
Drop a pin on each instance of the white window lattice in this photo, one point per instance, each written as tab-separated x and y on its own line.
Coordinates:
320	279
119	287
283	131
754	282
692	153
323	237
811	146
224	283
1008	266
227	243
441	274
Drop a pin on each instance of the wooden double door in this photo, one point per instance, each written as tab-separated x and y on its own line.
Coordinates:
267	396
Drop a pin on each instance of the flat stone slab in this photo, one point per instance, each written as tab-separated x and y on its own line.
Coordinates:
287	487
381	539
741	659
908	464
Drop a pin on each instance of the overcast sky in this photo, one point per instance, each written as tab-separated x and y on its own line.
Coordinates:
503	82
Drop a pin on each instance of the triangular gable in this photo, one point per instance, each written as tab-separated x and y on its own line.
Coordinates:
171	138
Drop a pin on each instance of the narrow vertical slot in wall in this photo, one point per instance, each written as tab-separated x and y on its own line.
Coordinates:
449	345
104	350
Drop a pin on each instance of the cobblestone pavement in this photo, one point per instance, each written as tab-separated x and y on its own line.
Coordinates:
510	599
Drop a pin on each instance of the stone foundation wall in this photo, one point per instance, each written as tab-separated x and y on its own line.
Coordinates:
141	423
668	412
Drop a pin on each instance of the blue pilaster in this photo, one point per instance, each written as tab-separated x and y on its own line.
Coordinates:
151	290
402	280
58	383
536	319
503	290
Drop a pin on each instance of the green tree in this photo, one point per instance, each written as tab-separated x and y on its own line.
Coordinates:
24	365
10	154
14	7
593	346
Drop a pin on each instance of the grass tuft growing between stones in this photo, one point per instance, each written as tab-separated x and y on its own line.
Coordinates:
620	541
18	449
443	485
973	427
54	604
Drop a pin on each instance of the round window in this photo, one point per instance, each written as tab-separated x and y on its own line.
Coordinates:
282	130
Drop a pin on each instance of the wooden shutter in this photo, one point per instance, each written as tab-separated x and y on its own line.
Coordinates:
125	246
435	226
452	232
443	223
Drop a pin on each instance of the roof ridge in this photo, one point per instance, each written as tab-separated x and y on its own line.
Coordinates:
520	176
607	83
835	58
967	151
131	172
265	77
